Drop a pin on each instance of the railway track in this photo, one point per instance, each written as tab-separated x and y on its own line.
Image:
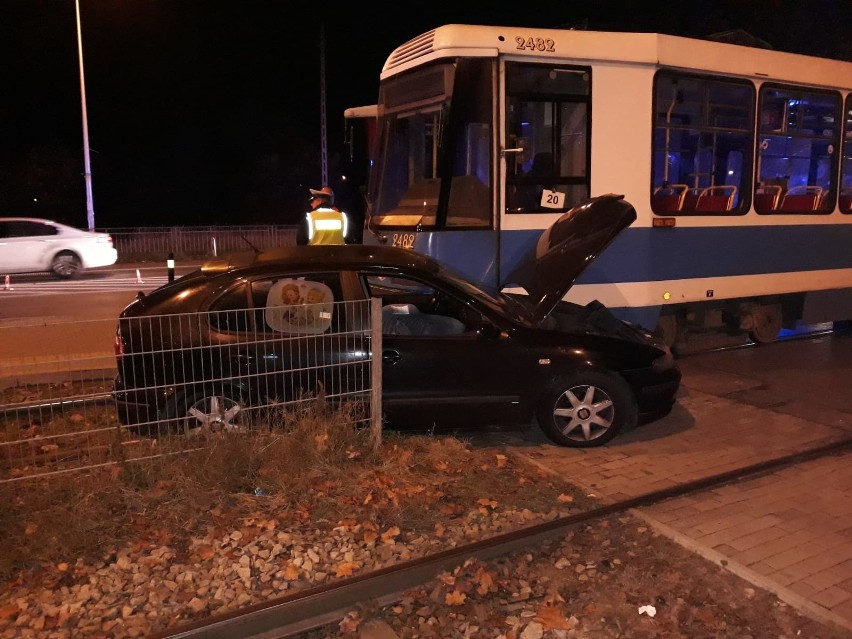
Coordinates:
319	607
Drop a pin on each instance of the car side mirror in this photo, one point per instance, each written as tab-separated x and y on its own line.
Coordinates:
489	331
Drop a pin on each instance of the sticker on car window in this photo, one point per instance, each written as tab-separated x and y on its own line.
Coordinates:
299	306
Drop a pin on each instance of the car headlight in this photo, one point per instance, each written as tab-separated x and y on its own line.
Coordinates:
664	362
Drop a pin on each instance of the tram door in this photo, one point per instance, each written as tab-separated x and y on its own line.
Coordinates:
546	151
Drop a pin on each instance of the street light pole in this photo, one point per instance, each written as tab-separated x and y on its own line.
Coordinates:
323	131
87	166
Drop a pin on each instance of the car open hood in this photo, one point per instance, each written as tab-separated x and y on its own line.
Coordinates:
568	246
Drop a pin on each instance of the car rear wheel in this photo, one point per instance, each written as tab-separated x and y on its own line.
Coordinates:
586	409
208	412
66	265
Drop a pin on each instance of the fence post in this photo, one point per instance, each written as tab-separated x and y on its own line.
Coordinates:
170	266
376	373
213	242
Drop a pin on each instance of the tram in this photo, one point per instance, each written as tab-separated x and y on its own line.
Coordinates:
737	159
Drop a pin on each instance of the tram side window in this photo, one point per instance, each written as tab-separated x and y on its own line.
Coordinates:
846	162
702	145
547	128
798	134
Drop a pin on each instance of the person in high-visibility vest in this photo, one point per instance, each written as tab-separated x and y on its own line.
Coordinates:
326	224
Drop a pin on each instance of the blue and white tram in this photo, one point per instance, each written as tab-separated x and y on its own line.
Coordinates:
737	159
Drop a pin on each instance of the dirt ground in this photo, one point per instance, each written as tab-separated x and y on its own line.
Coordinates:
250	525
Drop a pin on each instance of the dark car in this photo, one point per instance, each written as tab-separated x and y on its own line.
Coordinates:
254	330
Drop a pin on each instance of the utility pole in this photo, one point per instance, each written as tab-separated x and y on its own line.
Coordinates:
323	132
87	166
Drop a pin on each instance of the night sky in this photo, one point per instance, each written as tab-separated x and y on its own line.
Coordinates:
208	112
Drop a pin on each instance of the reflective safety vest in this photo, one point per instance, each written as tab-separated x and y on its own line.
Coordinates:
326	226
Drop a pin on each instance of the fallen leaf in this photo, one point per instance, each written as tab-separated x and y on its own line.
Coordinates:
370	537
484	501
439	530
350	622
501	461
368	498
291	572
389	534
205	552
564	499
484	580
7	612
455	598
441	465
62	567
352	454
31	528
552	618
346	568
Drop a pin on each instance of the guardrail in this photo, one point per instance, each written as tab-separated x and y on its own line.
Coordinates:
186	242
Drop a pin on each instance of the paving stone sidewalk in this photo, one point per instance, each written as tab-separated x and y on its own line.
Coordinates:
788	531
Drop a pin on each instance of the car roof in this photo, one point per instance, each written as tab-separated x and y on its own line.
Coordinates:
28	219
318	256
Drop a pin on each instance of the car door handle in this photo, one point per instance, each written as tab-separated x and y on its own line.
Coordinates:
391	357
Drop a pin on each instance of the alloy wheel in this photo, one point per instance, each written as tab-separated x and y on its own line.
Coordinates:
584	413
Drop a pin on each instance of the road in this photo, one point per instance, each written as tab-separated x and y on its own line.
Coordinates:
54	325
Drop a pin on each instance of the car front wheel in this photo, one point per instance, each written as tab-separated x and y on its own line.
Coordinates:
66	265
207	412
586	409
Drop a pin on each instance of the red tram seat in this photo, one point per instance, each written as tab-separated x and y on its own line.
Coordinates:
766	197
846	200
668	198
690	200
716	198
802	198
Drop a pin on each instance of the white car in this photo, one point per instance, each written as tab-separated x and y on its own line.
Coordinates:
32	245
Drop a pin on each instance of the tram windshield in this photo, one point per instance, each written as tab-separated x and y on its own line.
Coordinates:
434	168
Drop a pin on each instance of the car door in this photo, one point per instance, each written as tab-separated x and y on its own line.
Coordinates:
465	377
296	341
21	245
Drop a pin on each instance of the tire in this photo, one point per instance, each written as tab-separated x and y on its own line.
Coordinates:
207	412
66	265
586	409
766	323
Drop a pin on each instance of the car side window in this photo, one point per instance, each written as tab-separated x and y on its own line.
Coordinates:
230	312
412	308
298	305
29	229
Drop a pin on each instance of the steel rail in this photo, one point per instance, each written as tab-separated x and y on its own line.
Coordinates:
320	606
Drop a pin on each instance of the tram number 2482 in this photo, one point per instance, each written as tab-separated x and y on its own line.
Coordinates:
403	240
535	44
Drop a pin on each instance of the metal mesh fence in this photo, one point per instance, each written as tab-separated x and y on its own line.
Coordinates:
179	375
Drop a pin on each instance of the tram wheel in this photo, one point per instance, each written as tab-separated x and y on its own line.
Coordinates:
766	322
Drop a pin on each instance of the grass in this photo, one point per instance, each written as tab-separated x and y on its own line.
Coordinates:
318	467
